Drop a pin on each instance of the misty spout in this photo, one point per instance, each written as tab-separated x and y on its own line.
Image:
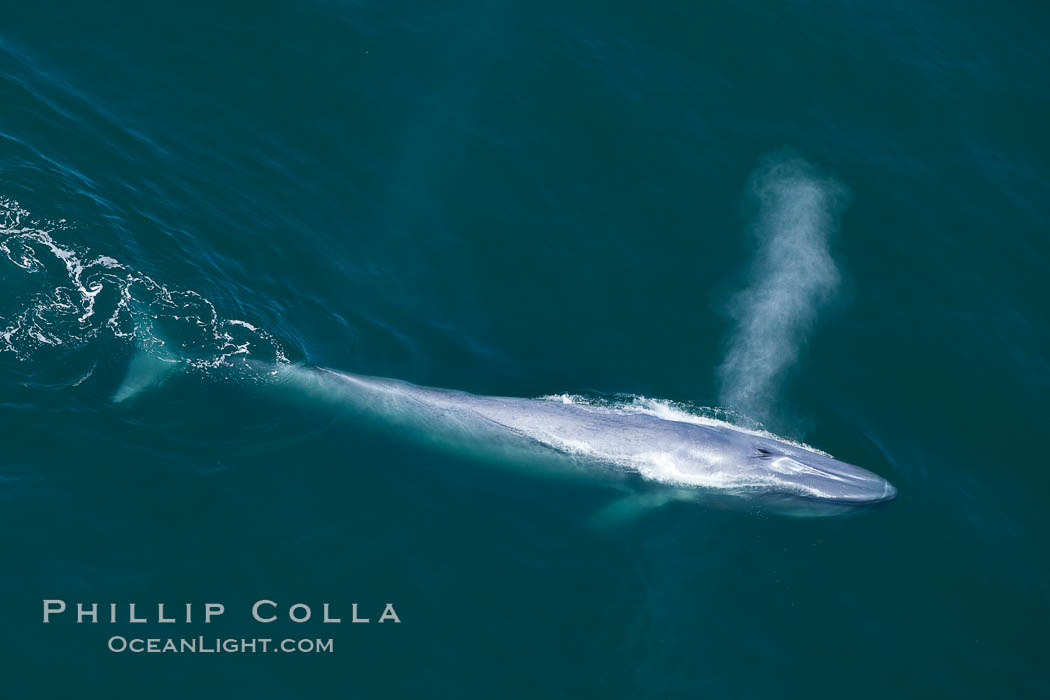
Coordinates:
793	274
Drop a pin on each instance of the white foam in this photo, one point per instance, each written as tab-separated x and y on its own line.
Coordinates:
61	310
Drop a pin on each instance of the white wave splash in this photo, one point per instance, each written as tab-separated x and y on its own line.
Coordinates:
61	297
793	274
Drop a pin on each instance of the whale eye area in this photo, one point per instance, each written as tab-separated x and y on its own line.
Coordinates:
763	453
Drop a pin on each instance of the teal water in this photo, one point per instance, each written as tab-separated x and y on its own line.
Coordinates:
522	199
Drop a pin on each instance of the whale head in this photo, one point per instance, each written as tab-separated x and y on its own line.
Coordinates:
815	478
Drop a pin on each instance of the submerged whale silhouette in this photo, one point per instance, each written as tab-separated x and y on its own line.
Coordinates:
657	458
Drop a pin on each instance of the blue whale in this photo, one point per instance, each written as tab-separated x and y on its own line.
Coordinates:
655	456
670	455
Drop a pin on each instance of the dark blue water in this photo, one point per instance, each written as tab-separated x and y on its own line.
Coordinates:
523	199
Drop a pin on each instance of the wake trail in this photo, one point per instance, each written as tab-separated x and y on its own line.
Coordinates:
60	298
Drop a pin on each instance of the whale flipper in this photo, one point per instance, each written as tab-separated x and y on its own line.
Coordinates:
629	509
146	370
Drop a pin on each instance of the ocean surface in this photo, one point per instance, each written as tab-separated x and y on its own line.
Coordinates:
826	219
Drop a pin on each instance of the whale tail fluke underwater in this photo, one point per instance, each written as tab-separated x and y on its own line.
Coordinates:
145	371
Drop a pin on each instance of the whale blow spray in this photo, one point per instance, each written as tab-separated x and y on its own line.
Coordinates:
792	276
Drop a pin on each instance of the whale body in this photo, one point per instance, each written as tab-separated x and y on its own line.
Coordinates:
656	457
668	457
